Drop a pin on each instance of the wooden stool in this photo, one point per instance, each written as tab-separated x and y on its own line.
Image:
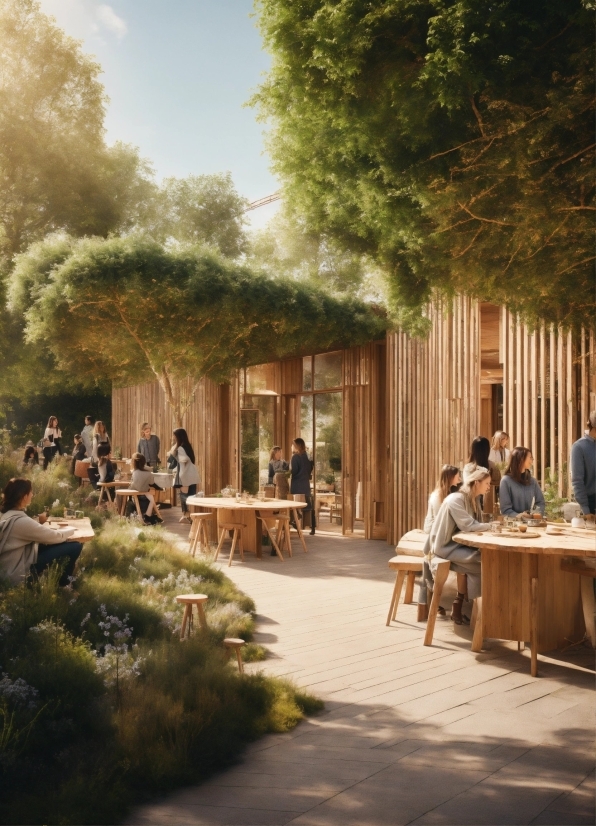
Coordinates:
440	579
124	494
188	600
104	488
198	532
403	565
237	529
235	644
587	571
281	523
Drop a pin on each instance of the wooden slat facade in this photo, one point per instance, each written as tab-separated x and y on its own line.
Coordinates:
409	406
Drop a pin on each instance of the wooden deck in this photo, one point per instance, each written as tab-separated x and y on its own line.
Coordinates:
409	734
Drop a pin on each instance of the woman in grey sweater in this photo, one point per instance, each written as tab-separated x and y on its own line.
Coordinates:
519	491
460	512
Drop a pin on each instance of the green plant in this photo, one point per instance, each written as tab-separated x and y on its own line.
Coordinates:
554	502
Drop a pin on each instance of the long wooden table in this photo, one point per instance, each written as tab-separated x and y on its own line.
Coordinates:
525	594
245	513
83	530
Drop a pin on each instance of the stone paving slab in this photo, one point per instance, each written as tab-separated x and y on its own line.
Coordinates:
409	734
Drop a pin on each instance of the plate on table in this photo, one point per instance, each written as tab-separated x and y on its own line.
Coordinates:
520	535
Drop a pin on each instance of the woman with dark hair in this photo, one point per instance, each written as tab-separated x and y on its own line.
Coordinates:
188	475
104	471
26	546
79	452
519	491
31	456
460	511
301	469
141	480
52	441
479	453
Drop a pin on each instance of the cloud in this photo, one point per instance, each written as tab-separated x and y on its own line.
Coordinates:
108	17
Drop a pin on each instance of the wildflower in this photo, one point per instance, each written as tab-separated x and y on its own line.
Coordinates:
18	692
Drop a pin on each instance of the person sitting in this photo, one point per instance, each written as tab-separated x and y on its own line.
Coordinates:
449	482
519	492
26	546
498	448
31	456
479	457
149	445
461	511
105	470
277	473
78	453
141	480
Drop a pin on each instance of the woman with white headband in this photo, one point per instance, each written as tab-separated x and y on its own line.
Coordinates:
461	512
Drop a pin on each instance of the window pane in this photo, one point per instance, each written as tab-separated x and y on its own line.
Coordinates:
260	379
307	373
328	417
306	421
328	370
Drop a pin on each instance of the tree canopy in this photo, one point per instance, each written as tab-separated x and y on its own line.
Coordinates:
129	310
451	141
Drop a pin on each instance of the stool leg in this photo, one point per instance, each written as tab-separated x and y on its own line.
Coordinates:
399	584
239	658
138	504
221	541
204	541
286	531
241	542
299	529
187	610
234	538
394	596
440	579
202	617
276	547
409	595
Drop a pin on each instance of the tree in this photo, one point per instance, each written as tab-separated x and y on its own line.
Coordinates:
127	310
451	141
201	209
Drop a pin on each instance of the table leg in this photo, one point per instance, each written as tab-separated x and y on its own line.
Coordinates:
587	591
478	632
534	616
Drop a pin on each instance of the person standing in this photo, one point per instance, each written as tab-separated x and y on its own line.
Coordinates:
52	443
149	445
498	448
187	474
100	436
583	468
278	468
87	435
301	469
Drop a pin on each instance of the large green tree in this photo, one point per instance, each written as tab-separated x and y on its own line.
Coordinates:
452	140
128	310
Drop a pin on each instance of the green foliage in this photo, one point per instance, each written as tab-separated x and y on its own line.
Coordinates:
553	501
102	705
451	142
130	310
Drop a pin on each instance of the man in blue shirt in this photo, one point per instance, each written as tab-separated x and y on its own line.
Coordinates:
583	468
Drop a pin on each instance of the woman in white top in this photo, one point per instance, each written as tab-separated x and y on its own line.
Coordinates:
449	482
100	436
141	480
188	475
498	448
26	546
52	443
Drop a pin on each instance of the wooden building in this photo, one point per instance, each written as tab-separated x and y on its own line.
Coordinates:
381	419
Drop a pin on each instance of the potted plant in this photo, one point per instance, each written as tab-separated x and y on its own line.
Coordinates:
329	480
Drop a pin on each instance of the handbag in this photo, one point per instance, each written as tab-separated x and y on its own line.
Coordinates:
172	462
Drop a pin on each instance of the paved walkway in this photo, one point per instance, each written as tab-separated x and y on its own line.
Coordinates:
409	734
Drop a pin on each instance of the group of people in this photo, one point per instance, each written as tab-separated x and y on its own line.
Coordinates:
459	499
86	443
300	469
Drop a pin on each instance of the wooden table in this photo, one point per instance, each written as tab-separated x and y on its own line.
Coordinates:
83	530
525	594
245	513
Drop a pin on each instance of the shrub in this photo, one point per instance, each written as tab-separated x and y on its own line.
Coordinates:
102	705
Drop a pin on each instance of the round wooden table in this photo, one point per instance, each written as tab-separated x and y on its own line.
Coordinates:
229	510
525	594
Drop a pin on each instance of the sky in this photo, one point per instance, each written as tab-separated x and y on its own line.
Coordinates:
178	73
